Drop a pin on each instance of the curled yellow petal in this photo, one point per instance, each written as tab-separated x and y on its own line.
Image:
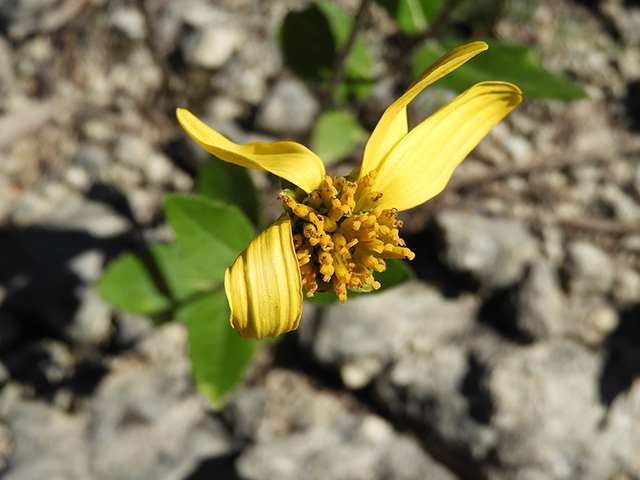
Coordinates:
392	126
288	160
420	165
263	285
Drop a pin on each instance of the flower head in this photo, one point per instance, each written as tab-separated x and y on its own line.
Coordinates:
336	233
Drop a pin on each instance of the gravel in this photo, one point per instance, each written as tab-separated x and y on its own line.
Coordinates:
513	355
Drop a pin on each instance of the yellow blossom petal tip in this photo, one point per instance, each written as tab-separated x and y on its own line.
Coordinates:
392	126
263	286
421	164
288	160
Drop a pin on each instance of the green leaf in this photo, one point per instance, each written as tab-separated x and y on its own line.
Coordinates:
181	278
412	16
211	234
397	272
359	65
510	63
308	44
128	284
335	135
229	183
218	355
311	40
151	281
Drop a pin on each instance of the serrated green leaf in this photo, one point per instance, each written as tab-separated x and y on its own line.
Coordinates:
218	355
412	16
335	135
211	234
311	40
150	281
397	272
229	183
510	63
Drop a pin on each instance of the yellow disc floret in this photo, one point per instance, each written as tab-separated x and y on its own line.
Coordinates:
341	235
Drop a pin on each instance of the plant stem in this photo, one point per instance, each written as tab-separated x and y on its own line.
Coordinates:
339	69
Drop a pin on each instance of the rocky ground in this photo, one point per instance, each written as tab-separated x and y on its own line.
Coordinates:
515	354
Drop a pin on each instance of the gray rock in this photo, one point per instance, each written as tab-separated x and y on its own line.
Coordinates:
518	147
249	76
34	56
48	442
363	335
539	303
8	81
6	445
145	204
211	47
501	410
495	251
36	206
144	421
303	432
130	21
289	108
134	81
77	178
623	205
91	323
134	405
137	153
635	180
599	323
80	214
93	158
547	413
129	329
620	436
588	269
626	289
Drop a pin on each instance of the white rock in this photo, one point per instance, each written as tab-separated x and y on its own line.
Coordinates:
289	108
212	46
130	21
588	269
626	289
495	251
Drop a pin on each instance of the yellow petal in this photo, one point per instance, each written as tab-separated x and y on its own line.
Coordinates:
420	165
263	285
392	126
288	160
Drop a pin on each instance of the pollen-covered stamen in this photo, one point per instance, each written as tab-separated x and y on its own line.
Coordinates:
326	266
309	279
342	236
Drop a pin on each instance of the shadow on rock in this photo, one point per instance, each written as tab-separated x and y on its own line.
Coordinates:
428	246
221	467
622	363
50	308
632	102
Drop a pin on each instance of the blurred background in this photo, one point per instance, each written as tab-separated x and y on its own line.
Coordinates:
514	353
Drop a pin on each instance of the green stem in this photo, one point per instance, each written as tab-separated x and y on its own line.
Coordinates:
341	59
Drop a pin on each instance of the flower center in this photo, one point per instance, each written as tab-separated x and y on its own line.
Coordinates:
341	235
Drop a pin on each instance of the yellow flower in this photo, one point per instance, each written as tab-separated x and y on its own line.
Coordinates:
335	233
